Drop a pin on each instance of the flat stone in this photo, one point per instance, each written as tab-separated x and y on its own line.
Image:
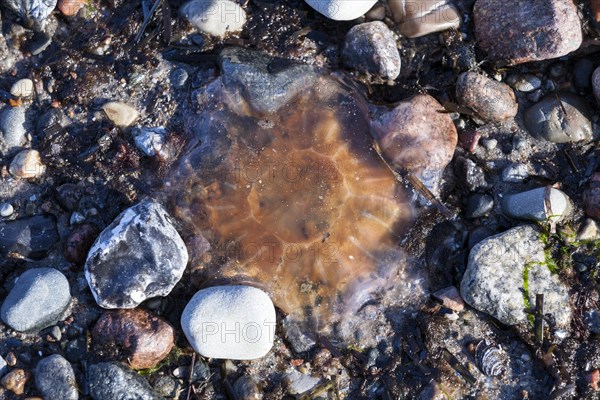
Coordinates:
560	121
121	114
112	380
300	383
55	379
13	128
22	88
230	322
269	83
532	205
371	48
38	300
342	10
27	164
450	298
418	19
138	256
499	266
491	100
141	338
416	137
214	17
30	237
516	32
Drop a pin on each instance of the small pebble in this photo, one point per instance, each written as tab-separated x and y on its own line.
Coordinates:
179	77
27	165
70	7
524	83
79	241
6	209
588	231
479	205
489	144
40	42
13	127
22	88
120	114
532	205
450	298
582	74
341	10
491	100
3	367
515	173
214	17
16	380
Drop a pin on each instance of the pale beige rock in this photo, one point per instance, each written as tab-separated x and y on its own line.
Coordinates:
121	114
421	17
27	164
22	88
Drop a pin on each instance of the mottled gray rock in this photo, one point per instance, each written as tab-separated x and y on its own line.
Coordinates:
112	380
268	83
13	128
214	17
55	379
342	10
31	10
138	256
498	266
37	301
491	100
471	174
30	237
539	204
371	48
515	32
230	322
567	120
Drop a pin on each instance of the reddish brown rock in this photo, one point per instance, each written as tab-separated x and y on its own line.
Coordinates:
16	380
134	335
450	298
591	197
80	240
515	31
491	100
70	7
595	7
417	136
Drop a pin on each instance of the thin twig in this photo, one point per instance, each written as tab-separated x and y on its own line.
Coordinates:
190	376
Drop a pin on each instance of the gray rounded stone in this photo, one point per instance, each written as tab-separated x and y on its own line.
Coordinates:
499	266
37	301
112	380
371	48
138	256
539	204
13	127
55	379
560	118
230	322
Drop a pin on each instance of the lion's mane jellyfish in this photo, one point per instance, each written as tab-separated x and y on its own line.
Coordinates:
281	177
